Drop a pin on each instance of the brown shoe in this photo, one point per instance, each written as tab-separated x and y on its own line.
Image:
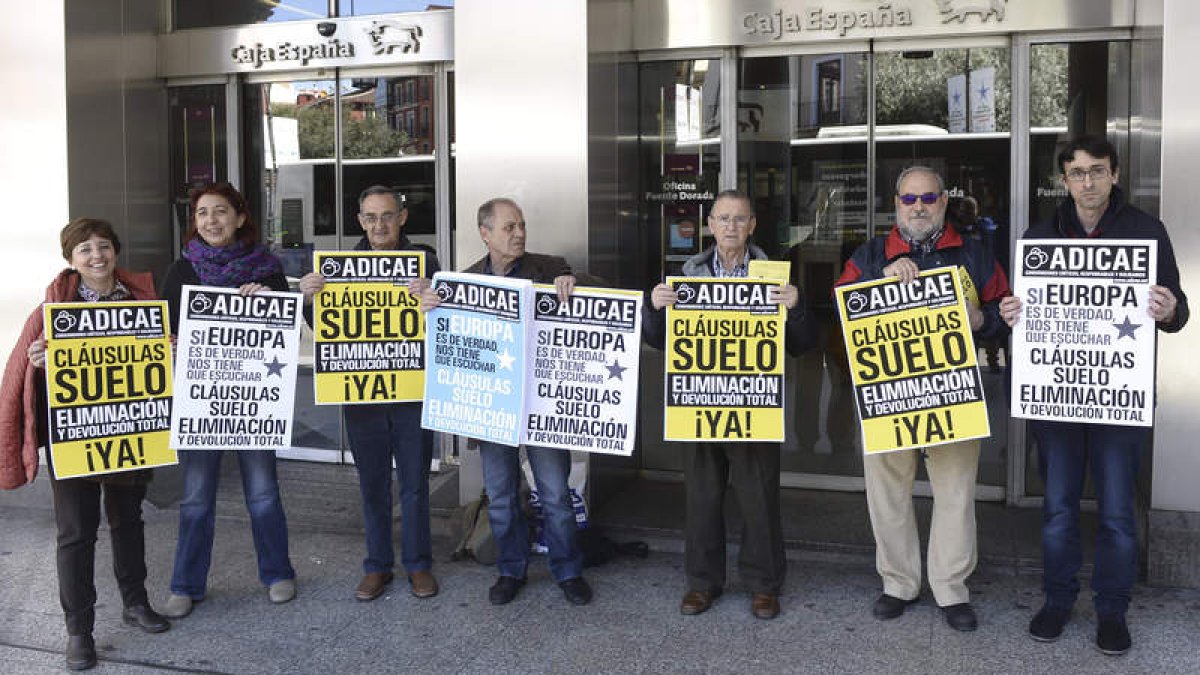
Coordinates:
423	585
697	602
372	586
764	605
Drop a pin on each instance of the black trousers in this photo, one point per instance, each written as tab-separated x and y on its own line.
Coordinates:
77	513
752	470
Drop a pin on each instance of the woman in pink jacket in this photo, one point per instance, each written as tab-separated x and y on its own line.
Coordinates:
90	246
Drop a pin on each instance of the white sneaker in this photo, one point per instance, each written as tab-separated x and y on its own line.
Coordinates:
177	606
282	591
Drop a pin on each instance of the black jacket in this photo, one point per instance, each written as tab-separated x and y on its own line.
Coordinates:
1121	220
538	268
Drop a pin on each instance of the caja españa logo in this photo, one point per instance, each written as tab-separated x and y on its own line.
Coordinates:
959	10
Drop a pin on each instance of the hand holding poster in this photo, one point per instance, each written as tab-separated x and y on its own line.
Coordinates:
237	380
474	384
724	366
582	390
108	381
368	330
1084	345
912	361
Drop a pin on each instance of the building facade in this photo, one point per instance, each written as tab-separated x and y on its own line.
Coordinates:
613	122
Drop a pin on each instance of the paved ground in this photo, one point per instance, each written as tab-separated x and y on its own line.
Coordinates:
633	626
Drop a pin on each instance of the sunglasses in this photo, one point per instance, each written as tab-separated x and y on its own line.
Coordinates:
927	198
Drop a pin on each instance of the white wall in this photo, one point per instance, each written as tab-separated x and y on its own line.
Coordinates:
33	169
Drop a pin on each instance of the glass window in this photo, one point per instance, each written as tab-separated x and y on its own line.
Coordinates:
360	7
680	132
1075	88
198	146
211	13
802	158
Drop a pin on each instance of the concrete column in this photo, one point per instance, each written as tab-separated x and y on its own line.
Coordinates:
1174	535
521	131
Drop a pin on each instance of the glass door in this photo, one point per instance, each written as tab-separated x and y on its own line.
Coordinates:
821	140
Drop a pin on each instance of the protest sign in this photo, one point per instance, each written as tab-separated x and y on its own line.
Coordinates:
582	391
724	370
108	385
912	361
237	377
368	331
477	344
1084	346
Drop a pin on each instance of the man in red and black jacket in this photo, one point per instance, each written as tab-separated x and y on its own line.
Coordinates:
920	241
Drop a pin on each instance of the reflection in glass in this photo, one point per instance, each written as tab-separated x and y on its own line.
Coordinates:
211	13
680	134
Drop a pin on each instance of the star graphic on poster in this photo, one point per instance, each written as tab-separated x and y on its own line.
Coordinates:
506	360
615	370
957	97
983	92
275	367
1126	329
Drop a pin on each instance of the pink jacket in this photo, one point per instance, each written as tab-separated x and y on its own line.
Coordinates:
18	391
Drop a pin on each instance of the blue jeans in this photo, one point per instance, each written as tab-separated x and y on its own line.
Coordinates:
502	480
378	434
197	518
1112	453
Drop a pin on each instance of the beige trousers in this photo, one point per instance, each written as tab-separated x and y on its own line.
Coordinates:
952	552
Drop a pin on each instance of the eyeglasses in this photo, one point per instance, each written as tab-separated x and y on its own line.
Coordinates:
727	220
387	217
1095	173
927	198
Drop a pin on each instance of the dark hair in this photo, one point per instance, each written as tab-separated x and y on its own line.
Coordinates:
487	210
1096	146
382	190
81	229
247	233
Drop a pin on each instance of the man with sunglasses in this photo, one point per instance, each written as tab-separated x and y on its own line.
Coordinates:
920	241
383	433
750	470
1096	208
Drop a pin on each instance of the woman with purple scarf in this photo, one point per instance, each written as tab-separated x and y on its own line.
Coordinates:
222	249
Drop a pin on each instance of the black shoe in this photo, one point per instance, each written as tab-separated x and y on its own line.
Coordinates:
504	590
1112	635
1047	625
960	617
145	618
577	591
888	607
81	652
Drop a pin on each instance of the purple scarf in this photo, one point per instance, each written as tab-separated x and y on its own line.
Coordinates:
230	266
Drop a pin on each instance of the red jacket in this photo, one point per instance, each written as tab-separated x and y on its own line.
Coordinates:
19	403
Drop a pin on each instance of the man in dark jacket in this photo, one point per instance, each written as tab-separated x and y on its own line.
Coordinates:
1095	209
753	467
502	228
380	433
920	241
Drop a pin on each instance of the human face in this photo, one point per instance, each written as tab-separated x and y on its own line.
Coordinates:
382	218
216	220
731	223
1089	188
95	260
919	221
505	239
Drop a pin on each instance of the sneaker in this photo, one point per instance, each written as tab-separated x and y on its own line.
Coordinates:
504	590
177	606
1047	625
282	591
1112	635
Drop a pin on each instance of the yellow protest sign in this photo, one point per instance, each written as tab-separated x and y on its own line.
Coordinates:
724	371
912	361
369	334
108	385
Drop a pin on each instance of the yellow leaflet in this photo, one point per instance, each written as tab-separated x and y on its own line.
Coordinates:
779	271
